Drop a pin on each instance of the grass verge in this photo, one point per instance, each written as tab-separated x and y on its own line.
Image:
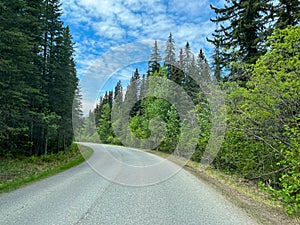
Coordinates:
18	172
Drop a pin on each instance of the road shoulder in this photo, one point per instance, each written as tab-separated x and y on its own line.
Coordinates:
240	192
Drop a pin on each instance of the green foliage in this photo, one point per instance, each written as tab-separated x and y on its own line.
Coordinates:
17	172
154	61
204	117
242	28
139	127
287	12
38	78
263	120
105	129
282	84
262	139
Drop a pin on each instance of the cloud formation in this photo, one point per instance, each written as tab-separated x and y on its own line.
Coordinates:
99	26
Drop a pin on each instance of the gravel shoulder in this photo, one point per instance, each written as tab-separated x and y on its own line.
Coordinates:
247	197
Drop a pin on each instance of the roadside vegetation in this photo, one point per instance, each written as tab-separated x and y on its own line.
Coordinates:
261	92
39	97
16	172
256	63
38	80
261	142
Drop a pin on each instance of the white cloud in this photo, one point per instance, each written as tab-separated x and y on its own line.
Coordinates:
190	8
100	26
88	106
109	30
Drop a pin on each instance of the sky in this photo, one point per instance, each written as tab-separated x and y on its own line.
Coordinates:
113	37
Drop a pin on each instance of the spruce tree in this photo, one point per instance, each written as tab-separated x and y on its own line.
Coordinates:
77	114
178	75
105	127
241	32
118	93
170	56
187	58
288	13
154	61
59	74
131	97
20	79
38	77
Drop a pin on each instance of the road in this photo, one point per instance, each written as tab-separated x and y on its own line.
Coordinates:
116	186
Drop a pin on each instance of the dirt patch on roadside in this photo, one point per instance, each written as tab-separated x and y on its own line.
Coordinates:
261	212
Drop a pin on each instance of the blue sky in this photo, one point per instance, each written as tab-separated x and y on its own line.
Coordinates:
108	34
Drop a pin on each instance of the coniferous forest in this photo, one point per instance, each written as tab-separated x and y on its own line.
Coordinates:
38	78
256	63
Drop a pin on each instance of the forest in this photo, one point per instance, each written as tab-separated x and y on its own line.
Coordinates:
256	63
38	79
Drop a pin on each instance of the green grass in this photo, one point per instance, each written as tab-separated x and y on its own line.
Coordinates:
17	172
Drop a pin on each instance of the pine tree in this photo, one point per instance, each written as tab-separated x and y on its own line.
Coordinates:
170	56
20	80
187	58
131	97
77	114
38	77
217	63
178	75
242	28
201	61
187	68
288	13
118	94
59	74
137	78
154	61
105	127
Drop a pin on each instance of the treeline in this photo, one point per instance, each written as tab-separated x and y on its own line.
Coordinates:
124	116
256	63
38	78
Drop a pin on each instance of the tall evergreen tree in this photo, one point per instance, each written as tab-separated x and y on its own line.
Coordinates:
118	93
170	56
187	58
38	77
288	13
242	31
105	127
131	97
144	86
137	78
19	80
154	61
187	68
201	61
59	74
178	75
217	63
77	114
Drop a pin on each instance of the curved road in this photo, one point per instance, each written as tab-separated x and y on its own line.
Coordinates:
120	186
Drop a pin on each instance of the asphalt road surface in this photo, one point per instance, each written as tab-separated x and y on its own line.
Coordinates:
120	186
